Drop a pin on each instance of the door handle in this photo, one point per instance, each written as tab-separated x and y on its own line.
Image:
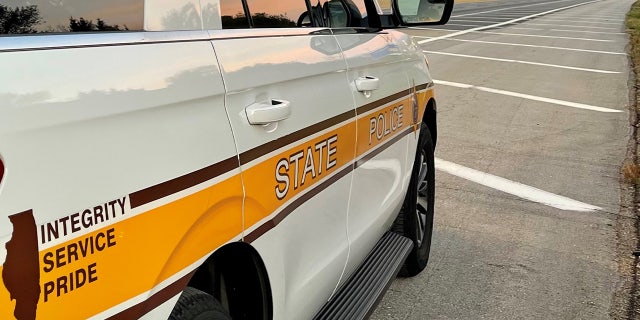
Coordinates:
367	83
268	111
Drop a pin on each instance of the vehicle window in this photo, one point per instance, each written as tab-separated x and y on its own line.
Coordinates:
277	14
232	14
357	13
37	16
338	15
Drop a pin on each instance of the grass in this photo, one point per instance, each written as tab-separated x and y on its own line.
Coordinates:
633	28
631	170
631	173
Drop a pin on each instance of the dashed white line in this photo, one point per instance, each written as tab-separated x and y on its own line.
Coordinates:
528	97
566	25
522	62
545	19
535	36
583	31
462	25
482	21
523	28
532	46
427	28
503	9
503	23
588	17
514	188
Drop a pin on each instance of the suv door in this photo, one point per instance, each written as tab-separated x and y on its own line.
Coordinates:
376	64
296	157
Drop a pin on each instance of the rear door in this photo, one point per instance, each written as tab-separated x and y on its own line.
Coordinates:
296	156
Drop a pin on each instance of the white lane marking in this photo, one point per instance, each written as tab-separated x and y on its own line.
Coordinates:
522	62
455	34
482	21
532	46
503	9
582	31
528	97
427	28
545	19
519	28
515	188
566	25
538	36
588	19
513	13
462	25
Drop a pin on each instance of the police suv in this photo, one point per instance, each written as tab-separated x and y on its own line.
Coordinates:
212	159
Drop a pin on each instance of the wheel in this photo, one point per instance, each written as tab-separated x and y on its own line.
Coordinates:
415	220
194	304
422	181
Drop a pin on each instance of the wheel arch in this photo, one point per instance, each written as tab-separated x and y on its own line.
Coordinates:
430	119
236	276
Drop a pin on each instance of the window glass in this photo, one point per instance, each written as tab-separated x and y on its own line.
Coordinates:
357	13
34	16
359	5
232	14
338	16
277	14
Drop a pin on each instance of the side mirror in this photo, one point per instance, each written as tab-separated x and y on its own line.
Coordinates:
423	12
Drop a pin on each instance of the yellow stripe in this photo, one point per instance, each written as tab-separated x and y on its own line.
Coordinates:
153	246
6	304
149	248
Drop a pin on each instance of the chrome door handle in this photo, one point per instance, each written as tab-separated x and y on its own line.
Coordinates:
267	112
367	83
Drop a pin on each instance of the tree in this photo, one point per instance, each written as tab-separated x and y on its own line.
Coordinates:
83	25
19	19
262	19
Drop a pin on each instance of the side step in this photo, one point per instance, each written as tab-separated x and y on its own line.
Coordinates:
358	296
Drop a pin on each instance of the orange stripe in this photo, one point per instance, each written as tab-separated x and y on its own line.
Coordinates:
195	225
190	227
260	183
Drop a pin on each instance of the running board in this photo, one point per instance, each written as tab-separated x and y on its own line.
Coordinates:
358	296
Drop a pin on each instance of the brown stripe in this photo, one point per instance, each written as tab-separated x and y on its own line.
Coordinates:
172	186
383	147
261	150
255	234
155	300
383	101
424	86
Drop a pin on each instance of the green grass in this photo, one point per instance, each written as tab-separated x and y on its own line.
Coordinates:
630	170
633	27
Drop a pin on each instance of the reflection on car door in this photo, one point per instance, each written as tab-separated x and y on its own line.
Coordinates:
376	70
296	159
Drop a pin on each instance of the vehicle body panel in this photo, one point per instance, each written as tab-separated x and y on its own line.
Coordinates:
303	240
380	177
120	121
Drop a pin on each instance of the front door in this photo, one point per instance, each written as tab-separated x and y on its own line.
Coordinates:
292	116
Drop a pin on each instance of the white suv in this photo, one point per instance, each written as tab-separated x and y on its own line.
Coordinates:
245	159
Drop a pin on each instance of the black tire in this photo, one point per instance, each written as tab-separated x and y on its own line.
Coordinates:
415	220
194	304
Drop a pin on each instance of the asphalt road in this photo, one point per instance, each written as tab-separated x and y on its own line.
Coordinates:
533	128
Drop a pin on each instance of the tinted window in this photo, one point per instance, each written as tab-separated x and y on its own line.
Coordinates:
277	14
337	12
357	12
33	16
232	14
